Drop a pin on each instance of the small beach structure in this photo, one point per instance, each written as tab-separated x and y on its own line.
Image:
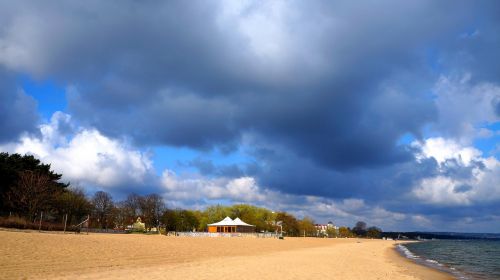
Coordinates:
229	226
139	225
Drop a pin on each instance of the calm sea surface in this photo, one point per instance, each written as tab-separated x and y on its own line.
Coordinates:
466	259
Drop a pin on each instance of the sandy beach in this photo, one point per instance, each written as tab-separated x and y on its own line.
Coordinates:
33	255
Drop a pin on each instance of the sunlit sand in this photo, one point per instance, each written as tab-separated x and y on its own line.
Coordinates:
34	255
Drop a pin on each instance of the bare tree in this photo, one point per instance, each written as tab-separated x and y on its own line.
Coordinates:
103	208
132	207
31	193
360	228
152	207
73	202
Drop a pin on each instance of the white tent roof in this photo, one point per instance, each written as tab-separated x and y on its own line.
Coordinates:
228	222
239	222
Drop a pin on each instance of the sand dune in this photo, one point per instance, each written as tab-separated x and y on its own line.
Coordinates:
30	255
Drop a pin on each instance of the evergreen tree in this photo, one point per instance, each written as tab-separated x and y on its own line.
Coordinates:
15	167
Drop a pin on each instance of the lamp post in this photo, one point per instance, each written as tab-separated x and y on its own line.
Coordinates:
280	223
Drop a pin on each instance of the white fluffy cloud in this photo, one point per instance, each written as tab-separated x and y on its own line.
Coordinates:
202	191
450	186
85	157
347	211
443	190
446	149
243	189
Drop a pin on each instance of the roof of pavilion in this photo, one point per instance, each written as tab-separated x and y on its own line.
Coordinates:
229	222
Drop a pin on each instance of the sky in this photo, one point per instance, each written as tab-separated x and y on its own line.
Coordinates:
382	111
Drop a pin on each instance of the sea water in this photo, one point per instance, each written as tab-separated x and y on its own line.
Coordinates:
465	259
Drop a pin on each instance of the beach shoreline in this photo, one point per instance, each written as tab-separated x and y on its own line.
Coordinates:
420	270
31	255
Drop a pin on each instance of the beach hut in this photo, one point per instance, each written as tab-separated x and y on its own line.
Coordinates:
228	226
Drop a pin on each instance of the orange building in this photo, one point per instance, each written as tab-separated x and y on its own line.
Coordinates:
229	226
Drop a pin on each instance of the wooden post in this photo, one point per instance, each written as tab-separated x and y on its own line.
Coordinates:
88	224
65	221
40	223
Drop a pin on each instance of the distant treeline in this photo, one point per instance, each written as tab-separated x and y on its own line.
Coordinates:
440	235
31	192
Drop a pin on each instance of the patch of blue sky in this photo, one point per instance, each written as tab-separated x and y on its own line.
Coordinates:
167	157
177	159
405	139
489	145
50	96
493	126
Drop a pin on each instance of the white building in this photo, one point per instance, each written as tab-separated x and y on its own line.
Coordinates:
322	229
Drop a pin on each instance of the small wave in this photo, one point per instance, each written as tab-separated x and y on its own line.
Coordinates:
406	252
433	262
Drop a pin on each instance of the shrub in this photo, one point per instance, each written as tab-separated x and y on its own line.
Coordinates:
14	222
22	223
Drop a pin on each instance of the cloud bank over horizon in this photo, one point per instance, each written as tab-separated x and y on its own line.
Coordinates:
336	110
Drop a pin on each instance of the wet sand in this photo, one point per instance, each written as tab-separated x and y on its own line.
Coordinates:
33	255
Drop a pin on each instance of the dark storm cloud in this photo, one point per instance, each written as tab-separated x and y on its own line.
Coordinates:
474	48
181	74
344	130
136	61
452	168
18	112
293	174
170	118
332	86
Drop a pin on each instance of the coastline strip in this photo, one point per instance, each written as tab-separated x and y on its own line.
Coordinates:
420	270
